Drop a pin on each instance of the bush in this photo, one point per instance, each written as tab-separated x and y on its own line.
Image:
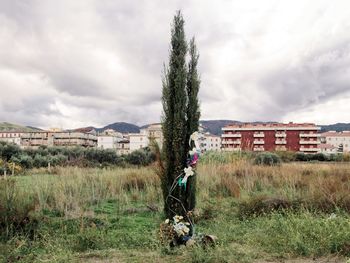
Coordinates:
267	159
40	161
75	156
7	150
286	156
23	160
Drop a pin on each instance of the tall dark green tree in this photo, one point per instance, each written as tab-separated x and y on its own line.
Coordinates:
193	115
180	118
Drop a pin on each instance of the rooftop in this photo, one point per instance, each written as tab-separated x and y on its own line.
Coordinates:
335	134
270	125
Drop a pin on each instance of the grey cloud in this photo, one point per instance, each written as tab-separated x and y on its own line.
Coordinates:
318	78
91	62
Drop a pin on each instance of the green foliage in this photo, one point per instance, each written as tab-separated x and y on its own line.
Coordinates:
174	101
320	157
64	156
267	158
7	150
180	116
140	157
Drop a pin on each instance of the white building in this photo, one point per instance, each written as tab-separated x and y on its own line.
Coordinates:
138	140
11	137
123	147
154	132
109	139
146	135
211	142
338	140
327	148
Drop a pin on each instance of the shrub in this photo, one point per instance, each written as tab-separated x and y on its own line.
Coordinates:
23	160
141	157
286	156
319	157
7	150
267	159
40	161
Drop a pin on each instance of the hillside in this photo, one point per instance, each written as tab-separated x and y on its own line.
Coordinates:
214	126
336	127
122	127
6	126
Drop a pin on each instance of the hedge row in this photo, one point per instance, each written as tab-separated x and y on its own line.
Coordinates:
63	156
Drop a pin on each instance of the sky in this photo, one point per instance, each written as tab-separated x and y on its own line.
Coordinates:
69	64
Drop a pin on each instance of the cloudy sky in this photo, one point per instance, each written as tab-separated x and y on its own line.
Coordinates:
73	63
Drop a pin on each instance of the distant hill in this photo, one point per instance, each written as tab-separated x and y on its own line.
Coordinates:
122	127
6	126
214	126
336	127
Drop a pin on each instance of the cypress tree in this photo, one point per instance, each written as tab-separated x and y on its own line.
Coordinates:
174	125
193	115
180	119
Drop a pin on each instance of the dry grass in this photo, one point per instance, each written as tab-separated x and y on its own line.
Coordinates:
323	186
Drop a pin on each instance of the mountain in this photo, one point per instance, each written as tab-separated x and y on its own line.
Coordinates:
336	127
6	126
122	127
214	126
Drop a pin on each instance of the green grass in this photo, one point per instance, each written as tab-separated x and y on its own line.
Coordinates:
99	216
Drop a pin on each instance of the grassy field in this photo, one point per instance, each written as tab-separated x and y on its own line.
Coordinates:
294	211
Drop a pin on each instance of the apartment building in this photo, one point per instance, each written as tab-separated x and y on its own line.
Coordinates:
123	146
210	142
298	137
337	141
64	138
154	132
138	140
11	137
109	139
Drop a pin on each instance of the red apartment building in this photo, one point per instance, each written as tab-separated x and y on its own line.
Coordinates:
298	137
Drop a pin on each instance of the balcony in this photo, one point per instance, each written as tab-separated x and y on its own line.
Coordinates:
281	135
231	142
281	148
308	142
303	149
259	142
310	135
258	149
232	135
259	135
281	142
231	149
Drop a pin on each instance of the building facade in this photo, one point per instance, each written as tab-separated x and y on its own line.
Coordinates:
211	142
138	140
123	147
154	132
340	141
297	137
11	137
65	138
109	139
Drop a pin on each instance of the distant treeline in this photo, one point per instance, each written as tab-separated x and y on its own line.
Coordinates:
11	155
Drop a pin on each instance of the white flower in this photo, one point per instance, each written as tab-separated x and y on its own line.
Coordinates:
188	171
